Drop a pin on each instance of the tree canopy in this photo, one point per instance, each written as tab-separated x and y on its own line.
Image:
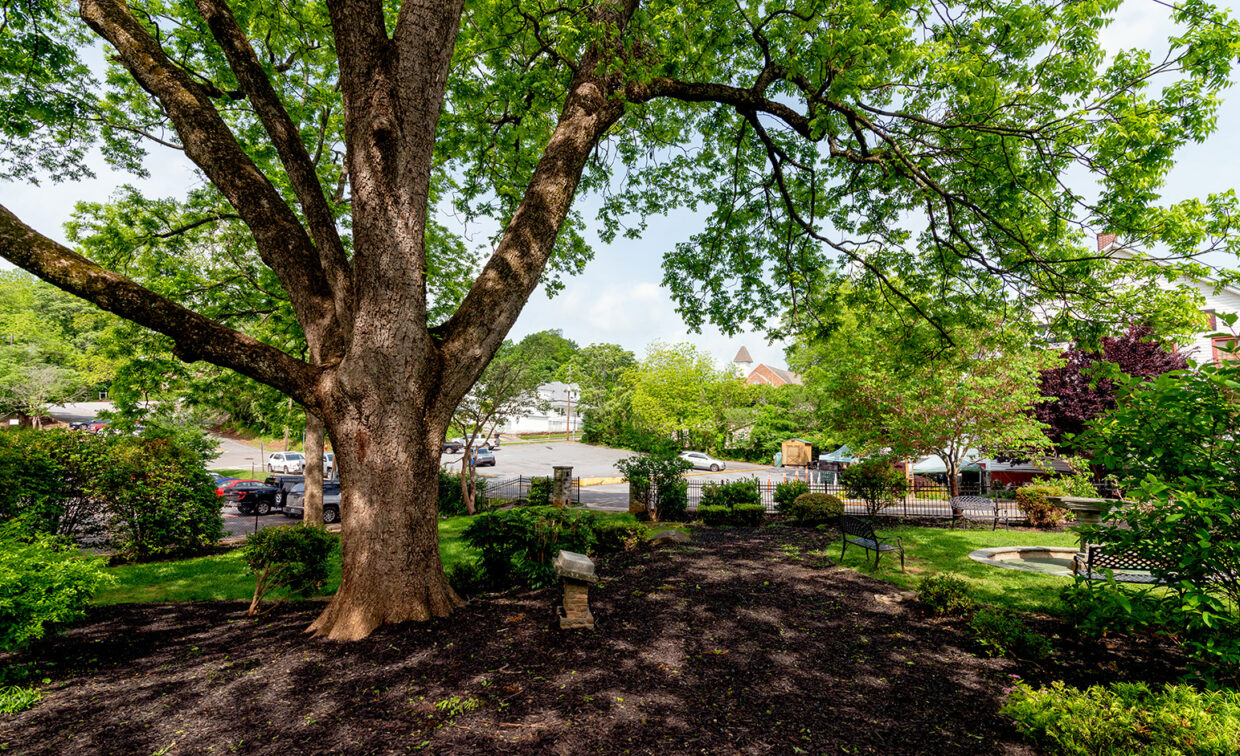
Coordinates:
902	144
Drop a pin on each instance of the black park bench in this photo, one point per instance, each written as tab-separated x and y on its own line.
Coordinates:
858	532
1099	564
979	506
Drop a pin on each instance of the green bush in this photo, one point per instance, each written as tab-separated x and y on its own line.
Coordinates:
47	479
731	494
540	491
744	515
876	481
1038	509
159	503
43	581
945	594
1127	718
517	545
812	509
1097	609
293	557
467	577
673	500
655	480
611	536
787	492
1001	633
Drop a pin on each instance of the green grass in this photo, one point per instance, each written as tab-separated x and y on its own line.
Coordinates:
245	474
930	551
224	577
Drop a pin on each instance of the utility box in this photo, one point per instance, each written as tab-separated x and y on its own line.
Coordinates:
797	452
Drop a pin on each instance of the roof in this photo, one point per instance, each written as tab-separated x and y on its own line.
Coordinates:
773	376
742	356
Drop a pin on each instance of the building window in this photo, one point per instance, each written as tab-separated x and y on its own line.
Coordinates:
1219	346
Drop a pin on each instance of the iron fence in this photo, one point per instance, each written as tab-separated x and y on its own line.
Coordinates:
924	501
501	491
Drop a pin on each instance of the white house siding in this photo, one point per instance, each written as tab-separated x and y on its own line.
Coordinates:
1224	300
551	416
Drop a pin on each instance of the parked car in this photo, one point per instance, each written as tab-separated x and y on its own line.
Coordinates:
453	446
294	505
96	425
82	424
286	462
225	484
329	464
251	497
218	479
484	458
702	461
286	483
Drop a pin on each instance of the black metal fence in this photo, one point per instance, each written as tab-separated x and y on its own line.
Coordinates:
501	491
925	501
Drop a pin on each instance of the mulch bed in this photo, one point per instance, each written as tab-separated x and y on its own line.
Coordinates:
744	641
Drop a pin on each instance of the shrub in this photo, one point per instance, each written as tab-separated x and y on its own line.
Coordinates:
1127	718
787	492
47	477
875	481
1002	633
451	501
159	502
945	594
673	500
294	557
1038	509
731	493
540	491
814	509
749	515
616	535
467	577
655	481
517	545
43	581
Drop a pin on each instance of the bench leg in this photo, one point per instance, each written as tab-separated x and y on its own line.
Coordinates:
901	560
843	548
877	554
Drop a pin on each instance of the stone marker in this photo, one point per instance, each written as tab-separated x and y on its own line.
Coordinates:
669	536
577	570
562	485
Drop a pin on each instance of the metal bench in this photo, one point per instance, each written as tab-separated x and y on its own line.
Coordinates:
858	532
974	505
1100	564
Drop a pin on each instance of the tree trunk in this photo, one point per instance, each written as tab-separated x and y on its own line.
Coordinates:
467	490
389	518
312	512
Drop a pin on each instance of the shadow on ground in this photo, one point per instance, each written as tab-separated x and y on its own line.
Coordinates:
741	642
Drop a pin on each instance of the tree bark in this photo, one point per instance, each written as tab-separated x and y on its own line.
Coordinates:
392	571
312	512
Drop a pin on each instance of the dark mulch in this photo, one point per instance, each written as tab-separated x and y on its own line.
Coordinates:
741	642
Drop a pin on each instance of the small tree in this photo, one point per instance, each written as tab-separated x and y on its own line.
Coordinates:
651	478
876	481
507	386
294	557
1079	391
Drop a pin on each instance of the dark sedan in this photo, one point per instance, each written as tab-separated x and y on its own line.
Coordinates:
286	483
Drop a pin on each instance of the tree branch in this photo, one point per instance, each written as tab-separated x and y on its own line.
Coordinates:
281	240
196	337
286	138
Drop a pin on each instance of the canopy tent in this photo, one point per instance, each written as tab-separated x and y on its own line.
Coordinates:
842	455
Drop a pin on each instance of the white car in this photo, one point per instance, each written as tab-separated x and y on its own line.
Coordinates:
702	461
286	462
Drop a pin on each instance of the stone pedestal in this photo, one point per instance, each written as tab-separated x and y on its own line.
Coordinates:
577	571
562	486
1087	511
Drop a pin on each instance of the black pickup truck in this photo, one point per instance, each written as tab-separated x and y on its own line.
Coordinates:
252	497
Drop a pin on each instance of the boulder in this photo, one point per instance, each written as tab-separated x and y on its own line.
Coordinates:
669	536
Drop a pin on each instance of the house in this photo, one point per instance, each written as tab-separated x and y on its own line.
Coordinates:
763	374
1218	298
554	409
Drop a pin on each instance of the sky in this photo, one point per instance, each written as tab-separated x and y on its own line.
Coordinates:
619	298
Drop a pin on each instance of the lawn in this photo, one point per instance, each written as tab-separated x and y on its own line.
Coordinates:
931	551
224	577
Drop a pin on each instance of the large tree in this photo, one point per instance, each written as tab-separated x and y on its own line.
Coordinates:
331	136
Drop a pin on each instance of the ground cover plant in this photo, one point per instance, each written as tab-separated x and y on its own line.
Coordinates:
1125	719
762	646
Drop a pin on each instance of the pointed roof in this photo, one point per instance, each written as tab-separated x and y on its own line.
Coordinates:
743	356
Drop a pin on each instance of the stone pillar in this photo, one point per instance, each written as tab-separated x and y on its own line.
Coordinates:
577	571
562	486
